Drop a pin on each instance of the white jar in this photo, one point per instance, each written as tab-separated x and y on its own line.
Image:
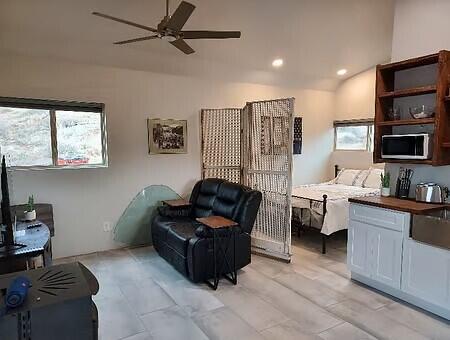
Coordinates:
30	215
385	192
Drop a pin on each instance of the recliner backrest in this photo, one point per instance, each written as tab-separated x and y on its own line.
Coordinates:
203	196
214	196
227	199
247	209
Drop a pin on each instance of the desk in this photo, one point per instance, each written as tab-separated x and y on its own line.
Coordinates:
36	242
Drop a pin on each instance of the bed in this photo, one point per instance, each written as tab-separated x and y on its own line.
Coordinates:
324	207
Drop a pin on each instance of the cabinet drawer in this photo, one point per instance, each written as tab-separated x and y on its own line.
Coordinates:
385	218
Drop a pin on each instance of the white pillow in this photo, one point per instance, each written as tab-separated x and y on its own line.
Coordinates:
347	176
373	180
359	180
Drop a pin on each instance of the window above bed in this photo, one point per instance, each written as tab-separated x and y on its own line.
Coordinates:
353	135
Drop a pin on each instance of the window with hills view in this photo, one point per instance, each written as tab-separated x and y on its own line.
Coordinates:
48	134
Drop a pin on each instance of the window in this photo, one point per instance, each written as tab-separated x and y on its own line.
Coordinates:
356	135
43	134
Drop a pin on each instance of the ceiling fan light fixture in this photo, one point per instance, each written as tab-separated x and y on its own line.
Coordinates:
277	62
169	38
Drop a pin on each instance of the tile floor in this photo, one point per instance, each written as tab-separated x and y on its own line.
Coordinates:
142	297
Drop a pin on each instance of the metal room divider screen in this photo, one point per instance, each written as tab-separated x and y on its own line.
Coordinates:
253	146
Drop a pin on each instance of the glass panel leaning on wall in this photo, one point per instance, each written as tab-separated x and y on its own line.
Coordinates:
38	133
353	135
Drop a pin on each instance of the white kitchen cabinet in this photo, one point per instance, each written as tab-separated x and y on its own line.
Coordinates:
387	256
375	244
358	245
382	254
426	273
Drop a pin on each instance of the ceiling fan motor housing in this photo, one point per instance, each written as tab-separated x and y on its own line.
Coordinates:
166	33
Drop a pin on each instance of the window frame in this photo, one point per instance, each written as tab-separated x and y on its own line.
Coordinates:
55	105
356	122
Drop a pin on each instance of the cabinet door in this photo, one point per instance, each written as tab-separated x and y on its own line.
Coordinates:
358	248
426	273
386	256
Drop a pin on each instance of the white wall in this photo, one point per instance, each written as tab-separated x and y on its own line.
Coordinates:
355	99
412	39
84	199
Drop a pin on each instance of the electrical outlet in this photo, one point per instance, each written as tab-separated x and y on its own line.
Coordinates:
107	226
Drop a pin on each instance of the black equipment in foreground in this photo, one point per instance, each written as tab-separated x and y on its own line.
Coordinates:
58	305
6	209
7	245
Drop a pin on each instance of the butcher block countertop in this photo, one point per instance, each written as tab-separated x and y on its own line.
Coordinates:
394	203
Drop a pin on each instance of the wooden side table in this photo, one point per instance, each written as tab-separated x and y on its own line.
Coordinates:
180	203
219	223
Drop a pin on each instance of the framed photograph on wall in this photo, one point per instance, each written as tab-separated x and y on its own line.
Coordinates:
298	135
167	136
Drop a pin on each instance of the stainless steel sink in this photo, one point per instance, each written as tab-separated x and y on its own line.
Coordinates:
432	228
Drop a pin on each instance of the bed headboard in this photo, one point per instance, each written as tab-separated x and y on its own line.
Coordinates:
336	170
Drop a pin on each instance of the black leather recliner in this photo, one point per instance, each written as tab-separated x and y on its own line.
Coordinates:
188	245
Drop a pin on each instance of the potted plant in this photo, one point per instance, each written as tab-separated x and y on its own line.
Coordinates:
386	184
30	213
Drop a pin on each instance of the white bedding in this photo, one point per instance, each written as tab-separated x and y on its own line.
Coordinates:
336	217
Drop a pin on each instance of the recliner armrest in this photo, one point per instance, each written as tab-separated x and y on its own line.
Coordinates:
205	232
168	211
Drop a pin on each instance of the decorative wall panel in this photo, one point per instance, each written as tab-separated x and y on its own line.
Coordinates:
254	146
221	144
268	128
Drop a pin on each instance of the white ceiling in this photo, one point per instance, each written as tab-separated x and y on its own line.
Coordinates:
314	37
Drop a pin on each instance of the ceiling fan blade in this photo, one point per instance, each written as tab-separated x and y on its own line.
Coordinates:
135	40
211	34
180	16
182	46
106	16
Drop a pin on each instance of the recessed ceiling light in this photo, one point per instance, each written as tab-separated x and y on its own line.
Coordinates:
277	63
342	72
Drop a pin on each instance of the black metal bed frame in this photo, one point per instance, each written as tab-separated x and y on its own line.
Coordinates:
324	211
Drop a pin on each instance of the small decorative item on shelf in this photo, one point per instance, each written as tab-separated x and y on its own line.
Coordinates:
30	213
423	111
385	184
394	113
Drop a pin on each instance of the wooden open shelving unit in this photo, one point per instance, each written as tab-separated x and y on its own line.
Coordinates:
386	93
402	122
416	91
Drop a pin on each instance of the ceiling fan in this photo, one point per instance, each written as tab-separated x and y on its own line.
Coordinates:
170	28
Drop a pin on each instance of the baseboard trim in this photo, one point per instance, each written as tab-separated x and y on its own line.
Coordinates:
276	256
413	300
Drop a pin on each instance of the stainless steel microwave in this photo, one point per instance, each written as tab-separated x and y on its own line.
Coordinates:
411	146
